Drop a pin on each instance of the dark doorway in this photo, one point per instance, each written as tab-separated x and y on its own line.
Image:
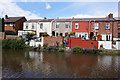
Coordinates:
53	33
61	34
91	34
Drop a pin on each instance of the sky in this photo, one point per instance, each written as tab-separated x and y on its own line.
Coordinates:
36	10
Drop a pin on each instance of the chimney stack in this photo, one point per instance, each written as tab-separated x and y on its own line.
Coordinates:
45	18
6	16
110	16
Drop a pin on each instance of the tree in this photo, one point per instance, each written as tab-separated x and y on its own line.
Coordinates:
29	36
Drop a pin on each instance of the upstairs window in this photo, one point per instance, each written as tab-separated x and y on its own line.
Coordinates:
96	25
41	26
118	35
57	25
26	26
66	25
118	25
5	24
76	25
11	24
107	25
32	26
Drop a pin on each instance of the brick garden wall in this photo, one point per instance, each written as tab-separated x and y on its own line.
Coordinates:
51	41
82	43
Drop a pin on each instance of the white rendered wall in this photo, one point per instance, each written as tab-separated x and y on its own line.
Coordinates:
106	44
46	28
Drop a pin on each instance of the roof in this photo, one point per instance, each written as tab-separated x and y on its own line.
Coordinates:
13	19
70	19
117	18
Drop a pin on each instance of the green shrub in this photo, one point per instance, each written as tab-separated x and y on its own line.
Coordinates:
61	50
79	49
91	42
7	32
13	43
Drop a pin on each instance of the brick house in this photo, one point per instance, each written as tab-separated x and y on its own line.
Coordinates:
90	27
116	29
14	23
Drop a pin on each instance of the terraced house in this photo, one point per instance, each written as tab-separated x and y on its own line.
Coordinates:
86	28
61	27
14	23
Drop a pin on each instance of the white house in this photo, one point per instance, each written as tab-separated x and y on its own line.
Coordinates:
44	26
28	26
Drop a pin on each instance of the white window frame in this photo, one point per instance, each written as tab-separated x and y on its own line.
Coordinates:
118	25
41	25
76	24
33	26
96	25
57	25
66	25
11	24
26	26
107	26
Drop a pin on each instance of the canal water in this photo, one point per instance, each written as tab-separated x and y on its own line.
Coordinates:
32	64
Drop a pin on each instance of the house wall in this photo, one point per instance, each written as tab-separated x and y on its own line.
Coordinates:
82	43
102	29
83	28
51	41
35	43
62	28
46	28
18	25
106	44
30	26
118	45
10	28
116	30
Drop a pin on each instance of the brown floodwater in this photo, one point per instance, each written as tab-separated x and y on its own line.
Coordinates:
33	64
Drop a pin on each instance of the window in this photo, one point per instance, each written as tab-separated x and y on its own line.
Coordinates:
119	25
5	24
32	26
118	35
66	25
107	25
96	26
76	25
26	26
11	24
56	34
57	25
41	26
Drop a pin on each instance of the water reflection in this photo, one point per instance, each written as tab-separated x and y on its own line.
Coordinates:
31	64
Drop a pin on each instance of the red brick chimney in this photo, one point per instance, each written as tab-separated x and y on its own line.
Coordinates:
45	18
6	16
110	16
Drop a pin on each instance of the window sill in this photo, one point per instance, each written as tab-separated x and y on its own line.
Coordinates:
107	29
96	29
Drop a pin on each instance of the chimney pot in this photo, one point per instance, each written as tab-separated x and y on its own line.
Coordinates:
6	16
45	18
110	16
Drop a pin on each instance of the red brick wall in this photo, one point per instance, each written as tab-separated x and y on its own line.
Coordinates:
18	38
102	27
82	26
51	41
82	43
116	30
10	28
18	25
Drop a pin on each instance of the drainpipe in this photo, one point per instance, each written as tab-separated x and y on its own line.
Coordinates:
94	27
52	23
89	28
